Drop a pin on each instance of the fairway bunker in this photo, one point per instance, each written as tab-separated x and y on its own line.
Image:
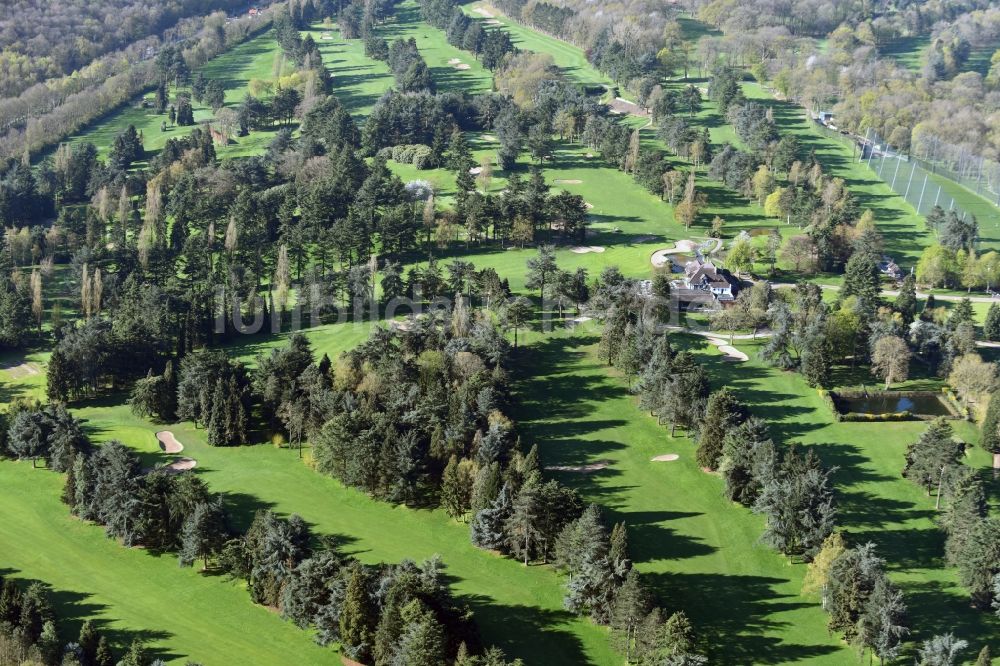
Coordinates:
169	443
584	249
666	457
729	352
178	466
22	370
580	469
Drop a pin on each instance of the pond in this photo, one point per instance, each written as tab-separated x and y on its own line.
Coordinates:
918	403
679	261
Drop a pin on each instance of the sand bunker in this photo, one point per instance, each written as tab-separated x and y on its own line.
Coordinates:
483	12
576	321
463	66
22	370
326	35
580	469
454	61
178	466
490	137
590	154
475	171
584	249
660	258
730	353
570	181
168	443
666	457
588	205
493	22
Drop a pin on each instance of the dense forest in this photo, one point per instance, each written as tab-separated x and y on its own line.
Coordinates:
41	40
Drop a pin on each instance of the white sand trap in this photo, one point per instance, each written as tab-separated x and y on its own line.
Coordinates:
588	205
666	457
483	12
730	353
584	249
570	181
660	258
490	137
581	469
576	321
590	154
475	171
463	66
493	22
454	61
326	35
178	466
169	443
22	370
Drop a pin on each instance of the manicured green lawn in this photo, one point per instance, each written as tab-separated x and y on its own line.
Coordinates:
698	550
251	59
570	59
907	51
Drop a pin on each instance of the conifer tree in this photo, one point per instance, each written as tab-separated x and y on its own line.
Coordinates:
631	606
991	426
722	413
991	327
88	642
357	616
487	529
104	656
933	457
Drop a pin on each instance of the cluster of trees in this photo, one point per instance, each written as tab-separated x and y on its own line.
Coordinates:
860	327
40	40
792	490
408	67
863	604
29	431
378	614
413	620
953	261
43	115
972	535
451	372
29	634
616	43
525	517
489	45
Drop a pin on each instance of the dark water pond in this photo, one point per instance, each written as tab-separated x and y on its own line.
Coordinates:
875	403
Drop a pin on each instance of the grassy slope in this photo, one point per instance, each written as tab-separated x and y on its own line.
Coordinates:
570	59
699	550
251	59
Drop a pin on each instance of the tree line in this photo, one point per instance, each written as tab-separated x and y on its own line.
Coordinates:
29	634
413	619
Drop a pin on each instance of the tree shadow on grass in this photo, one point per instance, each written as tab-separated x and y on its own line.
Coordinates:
906	548
936	603
651	539
735	612
72	609
535	635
